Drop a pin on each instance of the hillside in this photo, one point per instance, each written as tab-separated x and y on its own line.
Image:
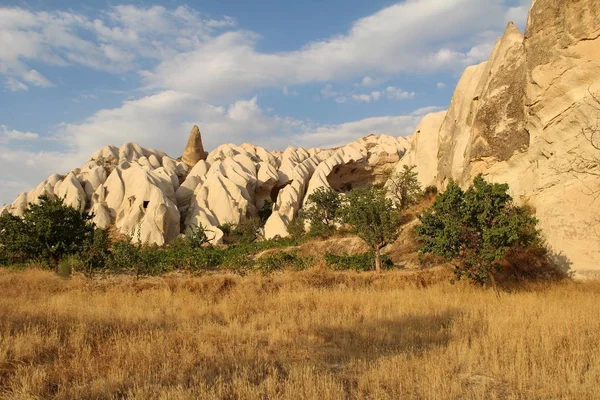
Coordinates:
517	118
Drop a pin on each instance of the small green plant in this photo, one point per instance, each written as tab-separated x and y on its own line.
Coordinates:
430	191
197	236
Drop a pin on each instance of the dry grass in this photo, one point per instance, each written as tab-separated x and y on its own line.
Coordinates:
305	335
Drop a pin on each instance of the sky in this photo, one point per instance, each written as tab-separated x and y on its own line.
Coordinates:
76	76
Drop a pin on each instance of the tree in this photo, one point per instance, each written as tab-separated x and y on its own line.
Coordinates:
404	187
476	229
48	231
321	210
373	219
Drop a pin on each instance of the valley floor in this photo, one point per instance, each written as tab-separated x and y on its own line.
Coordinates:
295	335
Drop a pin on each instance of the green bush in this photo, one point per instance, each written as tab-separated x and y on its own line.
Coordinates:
48	231
245	233
321	209
265	212
296	229
357	262
476	229
373	218
281	260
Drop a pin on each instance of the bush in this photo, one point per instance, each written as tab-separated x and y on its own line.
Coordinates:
48	231
281	260
430	191
476	229
357	262
373	218
296	229
96	253
265	212
321	209
404	187
245	233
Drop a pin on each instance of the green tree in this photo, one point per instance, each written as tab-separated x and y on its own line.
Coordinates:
373	219
476	229
321	210
48	231
404	187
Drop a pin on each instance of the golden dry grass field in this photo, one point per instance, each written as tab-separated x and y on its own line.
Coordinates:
295	335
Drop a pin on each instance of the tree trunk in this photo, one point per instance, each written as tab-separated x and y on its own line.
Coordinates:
378	260
494	284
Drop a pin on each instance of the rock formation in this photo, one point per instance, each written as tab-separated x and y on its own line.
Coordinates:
194	150
516	118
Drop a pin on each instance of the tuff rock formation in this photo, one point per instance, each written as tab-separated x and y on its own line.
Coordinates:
194	150
516	118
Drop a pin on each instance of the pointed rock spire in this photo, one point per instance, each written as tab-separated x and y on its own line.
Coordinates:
194	151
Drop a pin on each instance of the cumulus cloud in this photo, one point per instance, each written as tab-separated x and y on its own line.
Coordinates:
414	35
118	40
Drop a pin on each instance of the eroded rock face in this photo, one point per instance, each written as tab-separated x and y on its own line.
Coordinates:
194	150
518	117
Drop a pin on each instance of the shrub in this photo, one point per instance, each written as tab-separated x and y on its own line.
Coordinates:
265	211
373	218
430	191
321	209
404	187
281	260
48	231
296	228
476	229
357	262
96	253
245	233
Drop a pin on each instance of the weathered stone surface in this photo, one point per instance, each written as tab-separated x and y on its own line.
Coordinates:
518	117
194	150
423	149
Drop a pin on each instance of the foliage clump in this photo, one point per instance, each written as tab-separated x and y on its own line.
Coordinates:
404	187
48	231
373	218
321	210
476	229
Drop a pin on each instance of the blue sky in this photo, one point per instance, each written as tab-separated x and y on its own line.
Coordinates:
75	77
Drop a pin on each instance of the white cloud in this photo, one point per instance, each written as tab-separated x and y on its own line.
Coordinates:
390	41
15	86
394	93
366	98
414	35
118	40
13	134
441	85
391	92
37	79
